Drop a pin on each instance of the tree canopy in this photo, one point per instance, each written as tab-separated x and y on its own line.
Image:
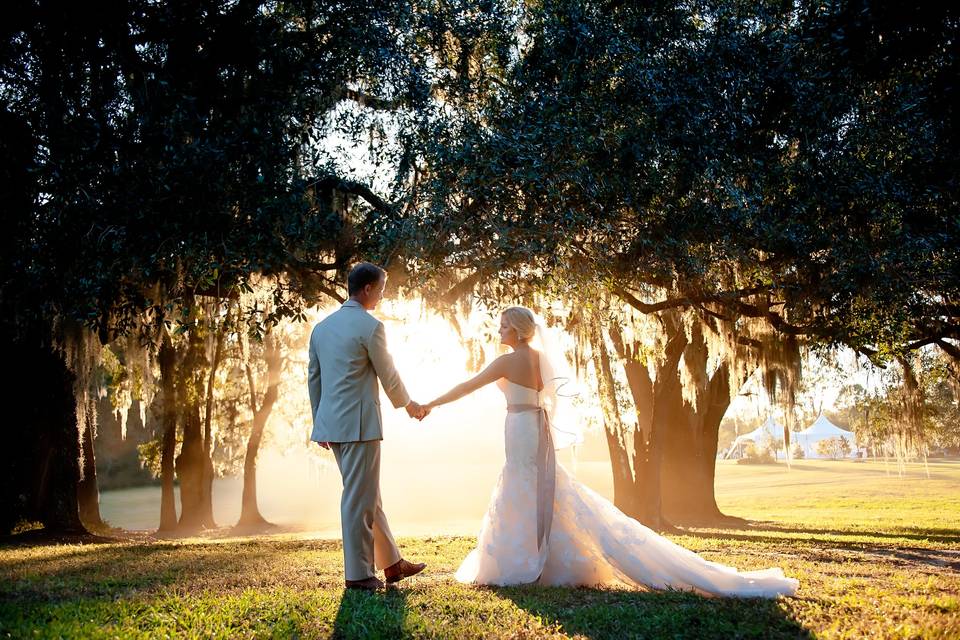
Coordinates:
748	175
793	164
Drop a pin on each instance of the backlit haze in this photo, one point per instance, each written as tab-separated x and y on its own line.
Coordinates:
436	475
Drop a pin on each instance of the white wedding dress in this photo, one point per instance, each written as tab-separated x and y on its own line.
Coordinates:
588	541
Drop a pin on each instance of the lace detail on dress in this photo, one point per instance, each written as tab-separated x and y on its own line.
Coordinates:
591	541
506	550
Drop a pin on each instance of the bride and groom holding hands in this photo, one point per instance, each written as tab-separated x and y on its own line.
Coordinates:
542	526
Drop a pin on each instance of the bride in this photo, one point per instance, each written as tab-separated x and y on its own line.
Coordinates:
545	527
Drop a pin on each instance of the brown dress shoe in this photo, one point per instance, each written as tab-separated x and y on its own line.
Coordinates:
402	569
370	584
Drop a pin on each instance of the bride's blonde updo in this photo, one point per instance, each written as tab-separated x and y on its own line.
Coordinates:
523	320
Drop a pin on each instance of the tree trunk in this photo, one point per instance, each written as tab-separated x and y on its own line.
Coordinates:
637	492
59	477
713	416
88	493
690	455
682	473
652	399
249	509
206	491
192	459
689	466
168	367
206	482
666	389
624	486
674	443
646	452
189	464
19	457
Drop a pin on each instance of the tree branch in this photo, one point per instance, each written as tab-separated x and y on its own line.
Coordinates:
725	297
357	189
366	100
462	287
950	349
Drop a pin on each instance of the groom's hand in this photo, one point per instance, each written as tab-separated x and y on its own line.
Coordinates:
413	409
325	445
416	410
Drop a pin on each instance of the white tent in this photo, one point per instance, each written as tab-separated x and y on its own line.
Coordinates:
757	437
823	429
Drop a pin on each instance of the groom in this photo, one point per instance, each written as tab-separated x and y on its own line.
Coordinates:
348	353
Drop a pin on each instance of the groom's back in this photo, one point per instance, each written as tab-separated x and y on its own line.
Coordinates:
348	407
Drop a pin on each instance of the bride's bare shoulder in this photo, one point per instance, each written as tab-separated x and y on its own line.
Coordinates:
518	362
504	360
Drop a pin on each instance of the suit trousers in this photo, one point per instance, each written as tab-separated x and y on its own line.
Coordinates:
367	541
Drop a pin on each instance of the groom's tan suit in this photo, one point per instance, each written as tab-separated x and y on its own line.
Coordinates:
348	353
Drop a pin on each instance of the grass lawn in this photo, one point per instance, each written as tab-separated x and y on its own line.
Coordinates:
877	557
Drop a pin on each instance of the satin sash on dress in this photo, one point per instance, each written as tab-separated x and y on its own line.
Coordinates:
546	478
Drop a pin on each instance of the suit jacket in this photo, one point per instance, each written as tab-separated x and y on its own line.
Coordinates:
348	353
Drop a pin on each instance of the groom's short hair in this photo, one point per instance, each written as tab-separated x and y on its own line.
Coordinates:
363	274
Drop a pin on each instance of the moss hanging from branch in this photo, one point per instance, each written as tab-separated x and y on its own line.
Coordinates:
81	351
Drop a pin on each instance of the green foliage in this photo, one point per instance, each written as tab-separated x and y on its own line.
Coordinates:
156	156
878	416
756	455
834	448
170	150
771	445
149	455
792	164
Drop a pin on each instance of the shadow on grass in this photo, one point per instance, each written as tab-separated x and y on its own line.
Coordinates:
602	613
43	537
938	535
363	614
239	588
91	571
947	536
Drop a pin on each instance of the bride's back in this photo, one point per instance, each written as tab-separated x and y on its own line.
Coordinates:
523	368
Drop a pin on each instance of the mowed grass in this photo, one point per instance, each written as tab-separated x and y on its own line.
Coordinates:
866	496
877	557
